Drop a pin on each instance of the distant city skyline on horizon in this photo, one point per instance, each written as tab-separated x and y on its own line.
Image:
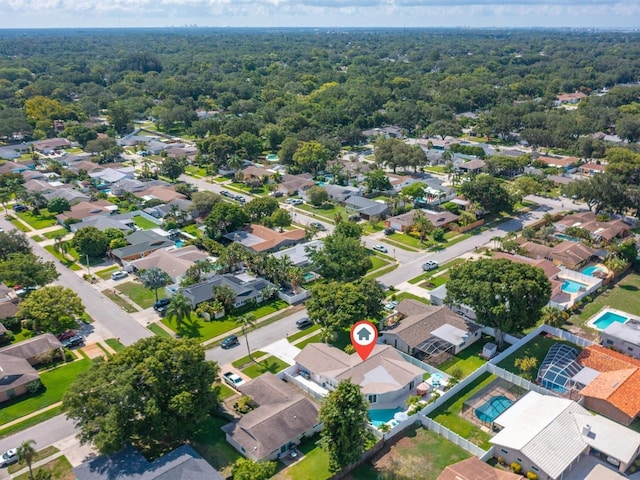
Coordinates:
606	15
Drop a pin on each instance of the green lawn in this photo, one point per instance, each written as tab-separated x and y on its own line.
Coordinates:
37	238
210	442
44	220
139	294
31	421
123	304
226	392
59	468
19	225
406	240
448	414
192	230
435	282
196	171
327	211
382	271
106	273
241	362
467	360
63	258
430	273
247	189
416	446
538	347
407	295
303	333
377	262
270	364
144	223
624	296
53	234
56	381
40	455
314	339
314	465
115	344
159	331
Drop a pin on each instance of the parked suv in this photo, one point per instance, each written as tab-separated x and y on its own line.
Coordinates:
230	341
430	265
303	323
162	303
9	457
119	275
74	341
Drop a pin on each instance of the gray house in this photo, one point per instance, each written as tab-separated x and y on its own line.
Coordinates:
366	208
624	337
245	290
183	463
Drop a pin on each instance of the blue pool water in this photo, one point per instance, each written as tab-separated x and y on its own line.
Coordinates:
571	286
308	276
607	319
491	409
590	270
378	417
320	184
179	243
566	237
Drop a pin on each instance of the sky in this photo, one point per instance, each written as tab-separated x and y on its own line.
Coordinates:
319	13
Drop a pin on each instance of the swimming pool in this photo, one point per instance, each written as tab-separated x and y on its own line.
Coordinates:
179	243
607	318
562	236
308	276
590	270
491	409
571	286
379	417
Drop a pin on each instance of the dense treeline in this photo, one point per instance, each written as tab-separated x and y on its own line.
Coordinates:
277	86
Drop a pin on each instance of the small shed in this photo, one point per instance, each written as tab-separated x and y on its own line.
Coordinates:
489	350
423	389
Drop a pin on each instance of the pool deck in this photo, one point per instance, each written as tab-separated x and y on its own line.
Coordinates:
594	318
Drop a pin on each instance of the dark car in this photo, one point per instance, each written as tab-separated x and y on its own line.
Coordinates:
318	226
303	323
389	231
19	208
224	193
354	218
66	335
162	303
230	341
74	341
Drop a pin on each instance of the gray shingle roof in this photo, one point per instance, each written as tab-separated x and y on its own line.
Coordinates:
33	346
202	292
183	463
15	372
366	206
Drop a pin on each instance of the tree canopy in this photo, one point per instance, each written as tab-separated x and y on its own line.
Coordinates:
51	309
157	391
342	258
27	270
90	241
505	295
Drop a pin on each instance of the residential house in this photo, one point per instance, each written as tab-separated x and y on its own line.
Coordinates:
247	289
398	182
35	175
560	179
569	98
475	469
8	308
183	463
141	243
283	417
38	185
179	150
366	208
385	377
252	172
11	152
12	167
83	210
165	193
572	255
355	170
155	147
599	230
405	221
391	131
294	184
623	337
552	437
16	375
591	168
298	255
72	195
173	261
550	270
560	162
339	194
85	165
121	221
110	175
32	349
433	333
614	391
50	145
472	167
264	239
161	211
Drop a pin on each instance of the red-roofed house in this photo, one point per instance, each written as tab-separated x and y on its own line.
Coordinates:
591	168
263	239
564	162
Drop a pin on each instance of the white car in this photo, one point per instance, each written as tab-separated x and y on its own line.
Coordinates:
119	275
294	201
380	248
430	265
9	457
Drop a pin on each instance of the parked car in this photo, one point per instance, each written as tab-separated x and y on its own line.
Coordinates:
389	231
230	341
380	248
390	305
430	265
163	302
74	341
294	201
119	275
318	225
19	208
276	193
233	379
224	193
9	457
354	218
66	335
240	198
304	322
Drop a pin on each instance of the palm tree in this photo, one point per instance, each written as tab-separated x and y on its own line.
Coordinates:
246	321
179	309
235	162
26	452
154	278
296	276
422	224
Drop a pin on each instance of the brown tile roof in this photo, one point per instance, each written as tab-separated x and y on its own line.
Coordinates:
33	346
8	309
550	270
272	238
161	192
293	183
475	164
569	97
567	253
475	469
587	220
15	372
592	167
557	162
83	210
175	262
283	414
619	380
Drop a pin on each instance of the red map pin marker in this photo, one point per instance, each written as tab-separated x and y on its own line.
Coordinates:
363	338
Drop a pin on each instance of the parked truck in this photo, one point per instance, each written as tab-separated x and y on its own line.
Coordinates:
233	379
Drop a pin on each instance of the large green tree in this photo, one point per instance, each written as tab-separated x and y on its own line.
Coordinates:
51	309
154	278
344	415
342	258
155	392
488	192
13	241
245	469
311	157
27	270
225	217
505	295
90	241
172	168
